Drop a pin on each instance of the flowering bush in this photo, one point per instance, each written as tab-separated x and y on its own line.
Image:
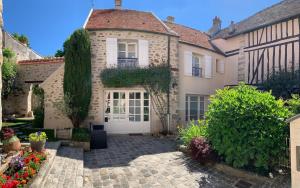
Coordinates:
38	136
201	150
22	169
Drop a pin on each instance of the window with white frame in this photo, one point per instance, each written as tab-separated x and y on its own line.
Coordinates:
197	70
195	107
127	50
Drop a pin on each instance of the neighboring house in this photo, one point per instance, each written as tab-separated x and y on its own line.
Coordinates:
264	43
200	63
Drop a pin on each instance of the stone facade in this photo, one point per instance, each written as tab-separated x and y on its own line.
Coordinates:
28	74
158	53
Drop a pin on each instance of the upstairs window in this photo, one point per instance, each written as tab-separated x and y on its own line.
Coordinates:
127	50
197	70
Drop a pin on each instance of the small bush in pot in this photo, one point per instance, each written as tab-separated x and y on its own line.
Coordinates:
201	150
37	141
10	141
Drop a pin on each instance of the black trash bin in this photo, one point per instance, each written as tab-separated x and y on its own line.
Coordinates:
98	137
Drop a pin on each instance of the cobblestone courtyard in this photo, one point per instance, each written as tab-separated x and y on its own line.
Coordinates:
136	161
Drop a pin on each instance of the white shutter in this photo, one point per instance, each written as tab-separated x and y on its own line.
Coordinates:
111	52
221	67
208	66
143	53
188	63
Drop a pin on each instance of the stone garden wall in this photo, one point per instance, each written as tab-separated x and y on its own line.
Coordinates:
29	73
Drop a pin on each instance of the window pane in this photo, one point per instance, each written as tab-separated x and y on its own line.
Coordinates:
138	103
138	95
146	103
194	98
121	54
137	117
122	95
146	96
131	102
122	47
146	110
116	102
138	110
131	95
146	118
131	55
116	95
131	48
116	110
131	110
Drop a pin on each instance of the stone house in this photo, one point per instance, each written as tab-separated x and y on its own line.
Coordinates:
200	63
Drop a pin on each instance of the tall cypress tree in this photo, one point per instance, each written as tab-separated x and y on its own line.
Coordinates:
77	76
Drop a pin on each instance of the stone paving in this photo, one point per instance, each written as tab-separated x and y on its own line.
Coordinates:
67	169
141	161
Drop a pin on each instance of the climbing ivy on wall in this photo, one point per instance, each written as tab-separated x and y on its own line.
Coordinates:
157	77
77	76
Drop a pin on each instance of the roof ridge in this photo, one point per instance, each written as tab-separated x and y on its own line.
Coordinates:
166	27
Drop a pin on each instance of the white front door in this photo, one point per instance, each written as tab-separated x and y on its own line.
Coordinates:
127	111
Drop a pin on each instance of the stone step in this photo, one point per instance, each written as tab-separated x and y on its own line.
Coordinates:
67	169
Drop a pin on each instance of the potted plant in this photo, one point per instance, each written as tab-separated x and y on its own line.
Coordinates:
10	141
37	141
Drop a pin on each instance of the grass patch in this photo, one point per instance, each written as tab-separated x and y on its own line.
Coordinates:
81	135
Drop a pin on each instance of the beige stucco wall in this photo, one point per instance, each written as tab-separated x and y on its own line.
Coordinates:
158	51
294	141
196	85
19	102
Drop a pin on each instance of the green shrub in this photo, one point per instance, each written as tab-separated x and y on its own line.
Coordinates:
9	72
38	121
247	127
81	135
77	82
192	131
294	104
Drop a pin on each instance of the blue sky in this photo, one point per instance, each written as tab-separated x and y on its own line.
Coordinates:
48	23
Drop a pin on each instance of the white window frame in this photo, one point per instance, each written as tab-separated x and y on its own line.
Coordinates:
126	49
200	68
199	110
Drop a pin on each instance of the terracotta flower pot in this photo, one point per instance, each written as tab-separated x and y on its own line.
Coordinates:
38	146
12	145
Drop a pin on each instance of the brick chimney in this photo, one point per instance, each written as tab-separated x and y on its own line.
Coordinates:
118	4
216	26
171	19
232	27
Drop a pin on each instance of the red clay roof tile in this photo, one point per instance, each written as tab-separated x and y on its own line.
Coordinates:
126	19
191	36
42	61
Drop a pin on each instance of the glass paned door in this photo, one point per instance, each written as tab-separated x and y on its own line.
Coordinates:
130	106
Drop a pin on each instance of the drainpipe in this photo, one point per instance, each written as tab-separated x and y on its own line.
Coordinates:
168	93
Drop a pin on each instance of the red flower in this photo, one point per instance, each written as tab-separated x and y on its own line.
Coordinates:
25	175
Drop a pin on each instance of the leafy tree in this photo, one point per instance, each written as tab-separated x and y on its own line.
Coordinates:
77	76
9	72
283	84
59	53
247	127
